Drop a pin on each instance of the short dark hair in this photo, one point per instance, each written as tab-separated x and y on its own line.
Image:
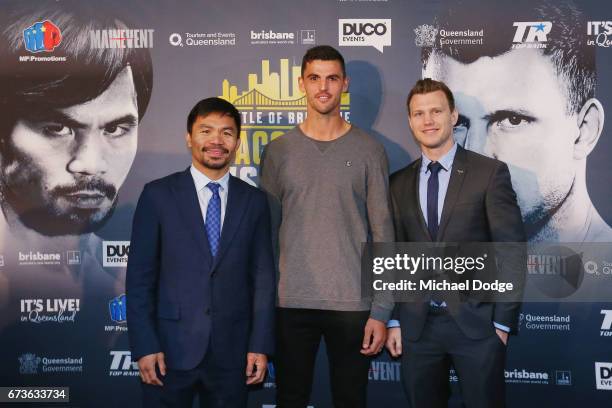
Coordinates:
428	85
214	105
573	60
324	53
30	87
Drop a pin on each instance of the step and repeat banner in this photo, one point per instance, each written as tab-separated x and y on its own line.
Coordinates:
94	98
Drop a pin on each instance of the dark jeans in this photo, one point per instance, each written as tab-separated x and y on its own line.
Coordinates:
299	333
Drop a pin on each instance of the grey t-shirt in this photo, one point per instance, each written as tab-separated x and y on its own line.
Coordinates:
325	203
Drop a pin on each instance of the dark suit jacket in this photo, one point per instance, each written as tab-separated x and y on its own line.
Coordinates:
480	206
180	300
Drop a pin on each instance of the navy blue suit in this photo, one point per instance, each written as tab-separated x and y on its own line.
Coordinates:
181	300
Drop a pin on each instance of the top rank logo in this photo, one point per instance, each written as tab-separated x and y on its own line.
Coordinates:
42	36
531	34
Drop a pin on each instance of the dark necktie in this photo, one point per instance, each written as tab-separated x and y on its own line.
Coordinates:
432	199
213	219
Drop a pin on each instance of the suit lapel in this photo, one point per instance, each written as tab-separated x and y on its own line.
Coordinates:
234	211
189	206
414	199
454	188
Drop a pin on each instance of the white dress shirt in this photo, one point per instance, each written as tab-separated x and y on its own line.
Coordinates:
204	194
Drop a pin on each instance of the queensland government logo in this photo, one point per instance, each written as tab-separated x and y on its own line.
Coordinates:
531	34
29	364
271	104
425	35
599	33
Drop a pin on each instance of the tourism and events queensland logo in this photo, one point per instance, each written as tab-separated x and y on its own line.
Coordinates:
42	36
270	105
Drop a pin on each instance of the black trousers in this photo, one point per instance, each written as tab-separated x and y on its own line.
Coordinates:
217	386
299	333
479	364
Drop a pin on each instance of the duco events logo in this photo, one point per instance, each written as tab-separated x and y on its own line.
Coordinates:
354	32
603	376
122	38
122	365
115	253
42	37
49	310
598	31
117	312
29	364
271	104
531	34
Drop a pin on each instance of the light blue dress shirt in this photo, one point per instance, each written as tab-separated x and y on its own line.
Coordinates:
204	194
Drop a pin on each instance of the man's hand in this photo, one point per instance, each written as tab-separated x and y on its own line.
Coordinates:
146	366
374	336
394	341
256	368
503	336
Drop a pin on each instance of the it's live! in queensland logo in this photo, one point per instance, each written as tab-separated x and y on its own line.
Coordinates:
271	104
42	36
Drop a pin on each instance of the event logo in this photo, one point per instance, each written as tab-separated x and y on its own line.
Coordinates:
606	324
42	36
599	32
270	381
531	34
28	363
210	39
308	37
271	105
73	257
122	38
355	32
122	364
386	371
39	258
269	37
49	310
603	376
563	377
557	271
425	35
115	253
522	376
552	322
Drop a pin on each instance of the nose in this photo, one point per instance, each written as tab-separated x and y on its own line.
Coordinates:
427	118
478	140
88	156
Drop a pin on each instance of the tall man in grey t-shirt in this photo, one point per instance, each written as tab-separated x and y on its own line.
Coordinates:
328	186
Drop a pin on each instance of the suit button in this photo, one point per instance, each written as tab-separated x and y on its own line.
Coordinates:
207	311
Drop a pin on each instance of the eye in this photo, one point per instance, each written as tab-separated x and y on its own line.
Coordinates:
116	130
57	130
509	120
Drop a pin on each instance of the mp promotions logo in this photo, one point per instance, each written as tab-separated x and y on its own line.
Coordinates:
42	37
28	363
117	309
425	35
355	32
531	34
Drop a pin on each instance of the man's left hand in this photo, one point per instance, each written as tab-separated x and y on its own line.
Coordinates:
256	368
503	336
374	336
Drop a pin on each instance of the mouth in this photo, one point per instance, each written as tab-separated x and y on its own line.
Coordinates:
323	97
87	199
216	152
430	131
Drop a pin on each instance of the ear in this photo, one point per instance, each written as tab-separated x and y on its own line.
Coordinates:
454	116
345	86
188	140
301	84
590	125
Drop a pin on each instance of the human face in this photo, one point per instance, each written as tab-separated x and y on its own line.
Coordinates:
60	172
513	108
323	83
431	121
213	142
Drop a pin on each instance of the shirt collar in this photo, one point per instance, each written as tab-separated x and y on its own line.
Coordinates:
446	161
201	180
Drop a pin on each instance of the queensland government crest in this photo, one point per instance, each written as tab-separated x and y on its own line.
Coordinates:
425	35
29	363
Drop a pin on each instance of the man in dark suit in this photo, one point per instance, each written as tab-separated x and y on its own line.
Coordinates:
200	280
451	195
